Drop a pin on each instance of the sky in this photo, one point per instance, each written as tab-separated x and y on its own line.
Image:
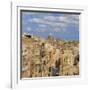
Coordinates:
60	25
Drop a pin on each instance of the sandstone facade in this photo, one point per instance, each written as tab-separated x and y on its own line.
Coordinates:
49	57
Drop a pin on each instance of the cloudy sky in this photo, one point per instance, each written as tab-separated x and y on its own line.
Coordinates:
58	24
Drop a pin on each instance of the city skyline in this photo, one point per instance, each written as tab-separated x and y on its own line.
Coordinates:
59	25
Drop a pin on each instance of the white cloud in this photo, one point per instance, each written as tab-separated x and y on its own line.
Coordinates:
42	25
59	29
50	18
57	23
47	22
62	19
73	19
41	30
28	29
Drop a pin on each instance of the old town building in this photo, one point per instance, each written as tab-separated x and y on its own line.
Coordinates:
48	57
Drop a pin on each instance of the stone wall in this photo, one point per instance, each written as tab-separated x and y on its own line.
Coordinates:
49	57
